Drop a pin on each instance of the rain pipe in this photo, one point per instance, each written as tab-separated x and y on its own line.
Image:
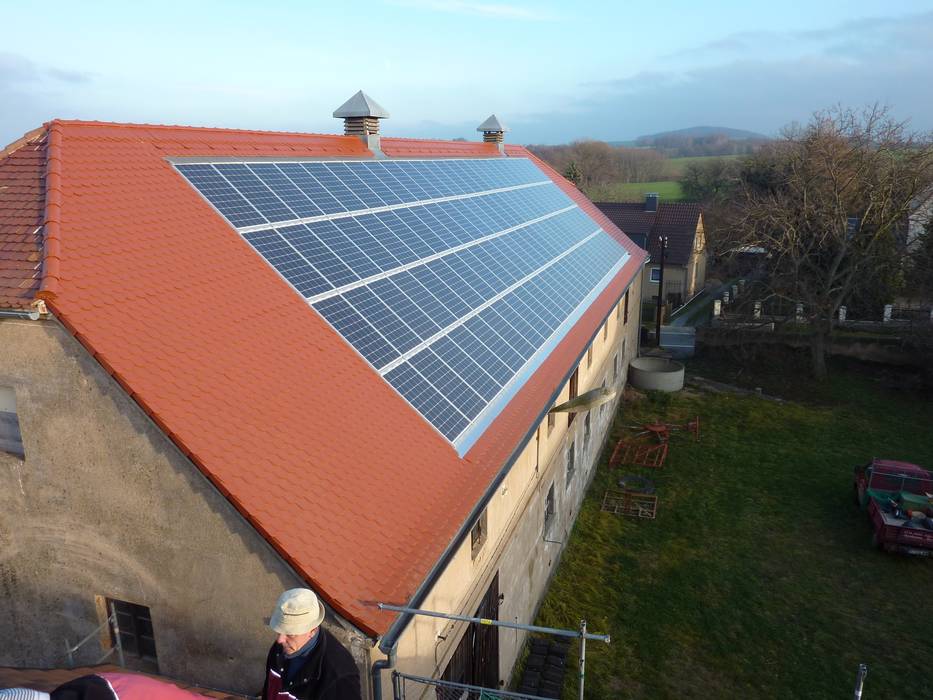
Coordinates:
389	642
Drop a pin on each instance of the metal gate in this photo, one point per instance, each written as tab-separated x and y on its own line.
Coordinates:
408	687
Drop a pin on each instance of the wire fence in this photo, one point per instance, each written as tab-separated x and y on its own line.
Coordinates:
407	687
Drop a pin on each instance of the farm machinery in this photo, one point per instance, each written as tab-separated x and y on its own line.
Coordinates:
899	499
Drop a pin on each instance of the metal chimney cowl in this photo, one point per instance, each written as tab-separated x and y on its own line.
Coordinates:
493	131
361	115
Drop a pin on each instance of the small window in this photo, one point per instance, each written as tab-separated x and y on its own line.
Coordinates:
655	274
137	637
625	302
551	421
605	330
589	357
549	508
478	535
574	381
586	433
571	463
615	367
11	439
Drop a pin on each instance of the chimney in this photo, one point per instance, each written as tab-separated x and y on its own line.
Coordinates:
361	115
493	131
651	201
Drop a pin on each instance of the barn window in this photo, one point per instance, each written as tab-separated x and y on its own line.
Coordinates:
478	535
549	508
133	624
11	439
571	463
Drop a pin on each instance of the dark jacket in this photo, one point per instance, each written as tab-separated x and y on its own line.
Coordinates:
328	673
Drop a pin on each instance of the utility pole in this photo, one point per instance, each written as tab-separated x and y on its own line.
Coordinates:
662	244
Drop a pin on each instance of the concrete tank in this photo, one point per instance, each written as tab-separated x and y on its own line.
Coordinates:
656	374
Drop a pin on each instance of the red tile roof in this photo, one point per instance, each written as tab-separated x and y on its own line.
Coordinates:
48	680
22	206
676	220
325	459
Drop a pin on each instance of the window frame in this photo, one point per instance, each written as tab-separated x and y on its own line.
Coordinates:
550	507
651	275
571	458
479	533
135	632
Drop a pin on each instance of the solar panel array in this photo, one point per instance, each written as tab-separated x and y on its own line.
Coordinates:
453	278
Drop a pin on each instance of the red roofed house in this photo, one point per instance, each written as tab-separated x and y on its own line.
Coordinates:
685	258
184	431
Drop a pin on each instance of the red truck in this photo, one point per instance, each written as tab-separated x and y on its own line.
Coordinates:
899	499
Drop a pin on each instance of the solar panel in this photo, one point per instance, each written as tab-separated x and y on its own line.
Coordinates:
453	278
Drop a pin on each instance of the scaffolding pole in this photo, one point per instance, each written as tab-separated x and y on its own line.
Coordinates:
580	634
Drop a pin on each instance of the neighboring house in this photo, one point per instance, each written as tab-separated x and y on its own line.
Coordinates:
236	362
685	260
920	217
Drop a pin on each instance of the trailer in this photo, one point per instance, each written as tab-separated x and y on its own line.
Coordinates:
898	497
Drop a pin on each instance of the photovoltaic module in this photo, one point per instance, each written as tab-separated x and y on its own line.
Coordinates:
453	278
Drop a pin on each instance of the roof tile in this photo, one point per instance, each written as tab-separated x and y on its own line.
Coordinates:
246	378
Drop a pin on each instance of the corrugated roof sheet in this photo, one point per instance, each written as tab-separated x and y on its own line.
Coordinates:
338	472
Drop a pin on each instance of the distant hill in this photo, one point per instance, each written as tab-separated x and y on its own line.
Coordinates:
701	132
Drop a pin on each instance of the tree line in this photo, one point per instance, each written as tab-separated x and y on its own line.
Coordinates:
590	164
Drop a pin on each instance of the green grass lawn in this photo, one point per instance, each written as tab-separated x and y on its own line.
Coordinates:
757	579
669	191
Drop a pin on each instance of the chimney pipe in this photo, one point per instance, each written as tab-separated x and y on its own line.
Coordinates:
493	132
361	115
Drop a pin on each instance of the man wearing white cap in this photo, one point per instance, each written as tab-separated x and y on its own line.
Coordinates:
306	662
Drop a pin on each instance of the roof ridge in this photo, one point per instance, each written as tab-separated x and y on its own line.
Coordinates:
50	280
30	137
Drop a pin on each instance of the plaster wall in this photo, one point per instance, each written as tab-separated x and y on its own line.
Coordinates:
515	545
104	505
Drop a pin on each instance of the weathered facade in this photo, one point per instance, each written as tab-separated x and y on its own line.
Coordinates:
104	506
522	548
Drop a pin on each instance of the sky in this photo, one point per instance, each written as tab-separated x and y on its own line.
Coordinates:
553	72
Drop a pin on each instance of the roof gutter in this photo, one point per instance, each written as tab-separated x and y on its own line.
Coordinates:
389	641
29	315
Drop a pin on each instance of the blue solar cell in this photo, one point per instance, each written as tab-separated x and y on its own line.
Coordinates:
221	194
481	353
498	345
284	258
285	189
470	297
439	411
356	185
407	310
343	194
345	249
424	299
363	238
468	369
310	186
319	255
445	380
382	318
447	296
255	190
357	331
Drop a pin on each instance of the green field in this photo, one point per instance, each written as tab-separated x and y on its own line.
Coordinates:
674	167
668	190
757	579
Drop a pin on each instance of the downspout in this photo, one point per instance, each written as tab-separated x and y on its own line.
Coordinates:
389	641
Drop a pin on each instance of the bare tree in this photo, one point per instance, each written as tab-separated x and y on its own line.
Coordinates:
829	204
